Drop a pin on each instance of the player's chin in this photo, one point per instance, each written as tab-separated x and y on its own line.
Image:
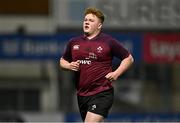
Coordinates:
86	33
86	30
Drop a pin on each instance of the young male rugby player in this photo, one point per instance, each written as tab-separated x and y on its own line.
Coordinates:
90	56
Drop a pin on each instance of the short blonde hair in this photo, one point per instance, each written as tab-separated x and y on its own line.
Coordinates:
96	12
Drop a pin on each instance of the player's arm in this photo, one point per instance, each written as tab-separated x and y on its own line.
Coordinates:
124	65
74	66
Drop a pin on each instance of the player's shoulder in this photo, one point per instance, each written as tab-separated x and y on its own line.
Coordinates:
76	38
107	37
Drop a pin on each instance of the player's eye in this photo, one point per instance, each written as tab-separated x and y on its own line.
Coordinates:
91	20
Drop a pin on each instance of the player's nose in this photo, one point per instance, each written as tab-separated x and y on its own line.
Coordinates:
87	23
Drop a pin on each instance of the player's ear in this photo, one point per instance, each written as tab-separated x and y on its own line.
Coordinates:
99	25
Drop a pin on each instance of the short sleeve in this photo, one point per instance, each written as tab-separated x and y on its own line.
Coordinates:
67	53
118	50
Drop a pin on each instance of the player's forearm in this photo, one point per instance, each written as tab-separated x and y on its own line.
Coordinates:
125	64
64	64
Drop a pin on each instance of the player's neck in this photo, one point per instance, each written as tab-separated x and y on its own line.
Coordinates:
91	36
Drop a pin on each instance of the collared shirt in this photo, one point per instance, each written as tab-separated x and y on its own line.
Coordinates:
95	57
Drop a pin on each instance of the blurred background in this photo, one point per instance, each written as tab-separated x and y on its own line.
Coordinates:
33	35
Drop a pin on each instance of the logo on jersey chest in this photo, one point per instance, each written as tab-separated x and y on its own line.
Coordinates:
76	47
88	62
99	49
92	55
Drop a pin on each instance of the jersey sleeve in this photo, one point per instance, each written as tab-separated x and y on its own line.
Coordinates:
67	53
118	50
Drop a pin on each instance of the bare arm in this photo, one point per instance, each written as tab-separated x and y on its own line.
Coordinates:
125	64
74	66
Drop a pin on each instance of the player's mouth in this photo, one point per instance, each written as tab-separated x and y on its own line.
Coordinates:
86	27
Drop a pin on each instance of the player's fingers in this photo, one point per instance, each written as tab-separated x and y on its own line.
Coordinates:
111	79
108	76
75	64
75	69
78	61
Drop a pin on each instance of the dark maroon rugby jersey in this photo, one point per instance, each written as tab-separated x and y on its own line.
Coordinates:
95	57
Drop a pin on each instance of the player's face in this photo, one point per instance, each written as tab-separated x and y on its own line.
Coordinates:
91	24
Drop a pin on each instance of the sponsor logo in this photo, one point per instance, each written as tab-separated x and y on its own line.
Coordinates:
88	62
99	49
76	47
92	55
93	107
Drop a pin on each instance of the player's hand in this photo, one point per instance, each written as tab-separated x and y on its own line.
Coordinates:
112	76
74	65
